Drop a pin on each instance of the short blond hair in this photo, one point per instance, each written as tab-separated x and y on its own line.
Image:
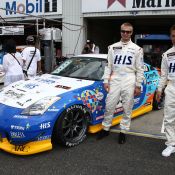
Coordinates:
127	24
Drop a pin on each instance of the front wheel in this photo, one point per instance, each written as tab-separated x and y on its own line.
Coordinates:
71	127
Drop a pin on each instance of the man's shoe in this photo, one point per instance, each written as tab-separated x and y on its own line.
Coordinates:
168	151
102	134
121	138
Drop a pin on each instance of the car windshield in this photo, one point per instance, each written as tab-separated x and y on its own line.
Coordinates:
88	68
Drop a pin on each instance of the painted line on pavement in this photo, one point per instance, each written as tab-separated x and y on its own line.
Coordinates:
154	136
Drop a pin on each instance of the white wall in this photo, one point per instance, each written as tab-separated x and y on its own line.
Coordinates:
72	14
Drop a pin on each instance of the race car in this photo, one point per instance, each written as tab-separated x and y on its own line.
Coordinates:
63	106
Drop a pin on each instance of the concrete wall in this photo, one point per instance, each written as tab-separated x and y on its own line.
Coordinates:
73	37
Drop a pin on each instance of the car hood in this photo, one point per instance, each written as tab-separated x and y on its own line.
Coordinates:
22	94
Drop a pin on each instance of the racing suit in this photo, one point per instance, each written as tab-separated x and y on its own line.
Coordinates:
124	71
168	78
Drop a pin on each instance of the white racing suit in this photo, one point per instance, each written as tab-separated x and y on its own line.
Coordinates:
168	78
124	71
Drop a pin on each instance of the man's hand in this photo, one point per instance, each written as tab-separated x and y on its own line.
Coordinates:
137	91
107	87
158	96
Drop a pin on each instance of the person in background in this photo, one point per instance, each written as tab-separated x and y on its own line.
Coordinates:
123	77
168	78
94	48
59	57
32	58
87	49
12	64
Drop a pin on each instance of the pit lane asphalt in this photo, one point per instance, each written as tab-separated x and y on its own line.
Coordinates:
139	156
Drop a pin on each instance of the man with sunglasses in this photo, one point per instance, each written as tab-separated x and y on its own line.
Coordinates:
168	78
123	77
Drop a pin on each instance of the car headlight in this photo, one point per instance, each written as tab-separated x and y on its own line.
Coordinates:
39	107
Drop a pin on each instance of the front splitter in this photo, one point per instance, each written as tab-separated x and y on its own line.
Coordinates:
26	149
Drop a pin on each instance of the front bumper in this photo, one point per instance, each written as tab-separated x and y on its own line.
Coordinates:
26	149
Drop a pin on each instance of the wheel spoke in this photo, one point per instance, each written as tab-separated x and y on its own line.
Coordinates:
80	120
72	133
67	132
66	126
76	116
76	131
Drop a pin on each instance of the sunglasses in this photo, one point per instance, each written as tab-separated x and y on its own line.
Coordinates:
126	31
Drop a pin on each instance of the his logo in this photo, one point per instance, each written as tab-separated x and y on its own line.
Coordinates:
123	2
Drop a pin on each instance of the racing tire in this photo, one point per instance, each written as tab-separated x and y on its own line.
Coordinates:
71	126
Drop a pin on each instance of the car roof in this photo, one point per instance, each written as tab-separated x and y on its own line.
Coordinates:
104	56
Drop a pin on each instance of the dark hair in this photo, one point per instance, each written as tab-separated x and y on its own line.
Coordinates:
10	46
30	40
172	28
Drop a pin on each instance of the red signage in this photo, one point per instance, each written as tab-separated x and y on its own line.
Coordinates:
110	2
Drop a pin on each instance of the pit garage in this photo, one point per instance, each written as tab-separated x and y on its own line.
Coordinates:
105	31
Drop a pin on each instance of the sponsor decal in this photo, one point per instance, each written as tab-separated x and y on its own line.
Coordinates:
20	116
76	107
21	104
147	104
44	137
46	81
63	87
27	126
15	127
45	125
16	85
55	77
118	110
136	100
21	148
100	117
21	90
30	86
31	6
53	110
171	67
123	59
117	48
12	94
171	54
17	134
100	96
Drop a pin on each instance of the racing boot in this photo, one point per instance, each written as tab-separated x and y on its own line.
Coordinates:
168	151
121	138
103	133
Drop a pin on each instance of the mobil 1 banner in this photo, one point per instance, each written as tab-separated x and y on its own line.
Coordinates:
19	8
126	5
